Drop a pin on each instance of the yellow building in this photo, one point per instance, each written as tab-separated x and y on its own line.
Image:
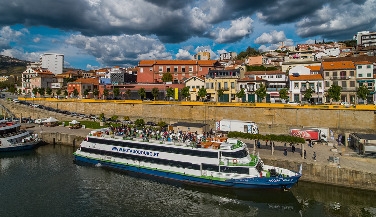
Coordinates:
221	85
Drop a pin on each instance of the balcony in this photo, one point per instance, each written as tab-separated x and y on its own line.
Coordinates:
340	77
275	88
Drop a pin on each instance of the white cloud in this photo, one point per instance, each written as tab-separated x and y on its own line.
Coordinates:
271	38
184	55
239	28
21	54
8	35
264	48
36	39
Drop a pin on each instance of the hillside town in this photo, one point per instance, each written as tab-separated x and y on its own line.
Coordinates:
302	73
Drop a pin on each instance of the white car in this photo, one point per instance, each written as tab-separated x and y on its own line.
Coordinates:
293	103
40	121
16	101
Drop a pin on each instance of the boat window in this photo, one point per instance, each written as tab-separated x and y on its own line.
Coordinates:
238	154
238	170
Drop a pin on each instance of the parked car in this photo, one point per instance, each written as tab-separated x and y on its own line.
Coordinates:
151	123
16	101
293	103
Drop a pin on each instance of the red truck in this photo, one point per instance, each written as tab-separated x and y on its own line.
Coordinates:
307	134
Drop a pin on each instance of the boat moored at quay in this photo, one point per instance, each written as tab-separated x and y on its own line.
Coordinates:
218	162
13	138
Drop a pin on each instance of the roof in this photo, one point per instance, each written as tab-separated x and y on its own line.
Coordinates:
94	81
371	59
314	77
314	68
338	65
276	72
362	63
249	79
188	124
365	136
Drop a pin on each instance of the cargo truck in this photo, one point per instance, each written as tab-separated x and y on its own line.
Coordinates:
227	125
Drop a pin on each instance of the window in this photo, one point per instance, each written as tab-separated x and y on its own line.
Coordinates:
191	69
359	67
168	69
369	75
141	70
352	83
278	76
151	69
334	74
175	69
296	85
219	85
327	74
160	75
211	85
360	75
232	85
183	69
207	85
335	83
352	73
368	66
160	68
200	68
344	84
343	74
226	85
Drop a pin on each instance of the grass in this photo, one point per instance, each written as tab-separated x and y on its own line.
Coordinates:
93	124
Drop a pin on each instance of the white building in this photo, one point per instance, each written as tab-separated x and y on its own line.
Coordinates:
194	84
365	39
53	62
364	76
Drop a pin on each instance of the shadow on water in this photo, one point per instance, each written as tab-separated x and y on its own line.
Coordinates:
13	154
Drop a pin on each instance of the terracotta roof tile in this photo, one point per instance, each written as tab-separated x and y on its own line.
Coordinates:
314	77
338	65
314	68
245	79
94	81
264	72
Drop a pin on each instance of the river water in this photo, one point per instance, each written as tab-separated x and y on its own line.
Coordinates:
46	182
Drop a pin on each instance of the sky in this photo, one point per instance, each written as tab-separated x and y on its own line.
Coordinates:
94	34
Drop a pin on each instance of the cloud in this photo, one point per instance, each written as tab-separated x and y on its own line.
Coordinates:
8	35
36	39
117	50
271	38
239	28
184	55
21	54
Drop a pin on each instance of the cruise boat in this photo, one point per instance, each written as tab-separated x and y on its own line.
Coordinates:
12	138
225	162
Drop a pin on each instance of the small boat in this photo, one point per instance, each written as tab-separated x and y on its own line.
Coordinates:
12	138
221	162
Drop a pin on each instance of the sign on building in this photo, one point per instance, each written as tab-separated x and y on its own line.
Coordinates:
55	85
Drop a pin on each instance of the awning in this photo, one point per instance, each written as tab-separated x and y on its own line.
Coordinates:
274	94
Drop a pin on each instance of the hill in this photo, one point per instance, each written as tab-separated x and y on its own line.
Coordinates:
12	66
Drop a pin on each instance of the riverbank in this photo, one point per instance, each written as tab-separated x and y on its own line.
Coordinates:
350	170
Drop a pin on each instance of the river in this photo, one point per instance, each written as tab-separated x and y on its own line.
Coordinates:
46	182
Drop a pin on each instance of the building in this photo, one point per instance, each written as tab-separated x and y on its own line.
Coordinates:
300	83
365	39
250	85
365	76
227	56
202	55
81	85
221	84
45	78
53	62
152	71
341	73
194	84
255	60
363	143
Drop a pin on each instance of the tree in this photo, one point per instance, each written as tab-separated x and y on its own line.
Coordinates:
35	91
48	91
116	92
283	94
220	94
139	122
155	93
248	52
261	92
128	93
240	94
86	92
167	77
114	118
334	92
96	93
41	91
142	93
202	93
363	93
185	92
58	92
308	93
105	93
75	92
170	92
65	93
101	117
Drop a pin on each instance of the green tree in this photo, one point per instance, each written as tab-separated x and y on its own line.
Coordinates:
114	118
261	92
42	91
220	94
155	93
86	92
248	52
167	77
116	92
12	89
185	92
308	93
142	93
128	93
170	93
48	91
75	92
65	93
35	91
240	94
101	117
363	93
58	92
283	94
105	93
334	92
96	93
202	93
139	122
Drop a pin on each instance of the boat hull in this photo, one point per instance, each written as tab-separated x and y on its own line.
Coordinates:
25	147
248	183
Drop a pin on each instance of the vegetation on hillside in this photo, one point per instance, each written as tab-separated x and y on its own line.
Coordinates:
248	52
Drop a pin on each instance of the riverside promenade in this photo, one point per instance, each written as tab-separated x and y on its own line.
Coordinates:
352	170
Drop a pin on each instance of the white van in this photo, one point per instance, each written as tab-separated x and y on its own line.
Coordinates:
40	121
